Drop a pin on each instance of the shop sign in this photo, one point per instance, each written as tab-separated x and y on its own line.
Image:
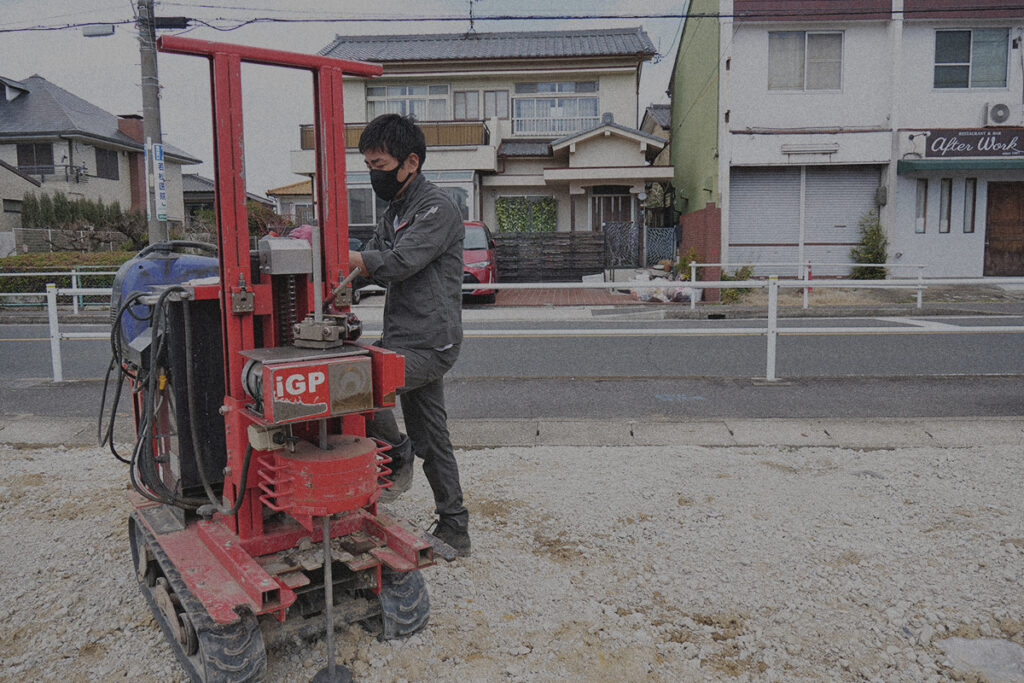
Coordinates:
975	142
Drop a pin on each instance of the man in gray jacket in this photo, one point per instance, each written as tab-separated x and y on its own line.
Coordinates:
416	254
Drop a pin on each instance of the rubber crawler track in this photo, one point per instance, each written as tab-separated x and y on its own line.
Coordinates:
405	604
227	652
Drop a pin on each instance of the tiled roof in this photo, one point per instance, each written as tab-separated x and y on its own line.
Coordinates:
608	123
193	182
44	109
662	114
524	148
498	45
300	188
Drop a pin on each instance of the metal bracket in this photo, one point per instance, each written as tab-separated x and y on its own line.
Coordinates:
243	302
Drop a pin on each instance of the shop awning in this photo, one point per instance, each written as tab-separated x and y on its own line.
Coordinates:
905	166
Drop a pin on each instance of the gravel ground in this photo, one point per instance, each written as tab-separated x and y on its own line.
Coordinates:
667	564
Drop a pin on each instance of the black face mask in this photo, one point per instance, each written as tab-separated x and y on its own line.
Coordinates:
385	183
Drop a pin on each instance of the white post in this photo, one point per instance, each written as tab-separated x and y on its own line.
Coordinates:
773	324
693	279
51	312
806	267
920	284
74	285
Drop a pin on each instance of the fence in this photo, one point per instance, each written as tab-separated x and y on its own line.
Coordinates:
771	331
548	256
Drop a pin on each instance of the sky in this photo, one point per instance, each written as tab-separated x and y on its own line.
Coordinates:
105	70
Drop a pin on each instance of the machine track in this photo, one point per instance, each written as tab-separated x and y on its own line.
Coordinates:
404	602
209	652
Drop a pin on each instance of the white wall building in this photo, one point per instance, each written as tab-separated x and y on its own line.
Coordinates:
529	131
908	107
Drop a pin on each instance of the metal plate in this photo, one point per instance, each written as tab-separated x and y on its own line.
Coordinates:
285	354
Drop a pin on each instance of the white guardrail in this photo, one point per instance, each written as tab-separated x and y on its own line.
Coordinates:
770	331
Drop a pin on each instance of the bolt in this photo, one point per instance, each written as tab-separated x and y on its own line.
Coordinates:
224	410
325	333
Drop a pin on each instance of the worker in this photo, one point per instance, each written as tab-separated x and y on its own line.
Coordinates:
416	254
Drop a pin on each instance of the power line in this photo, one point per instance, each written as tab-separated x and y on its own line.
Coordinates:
778	14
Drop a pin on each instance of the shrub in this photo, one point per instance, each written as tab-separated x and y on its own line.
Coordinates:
873	248
61	261
734	294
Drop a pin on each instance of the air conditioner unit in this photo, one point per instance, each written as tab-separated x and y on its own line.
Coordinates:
997	113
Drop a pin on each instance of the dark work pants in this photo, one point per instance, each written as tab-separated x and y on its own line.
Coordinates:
426	421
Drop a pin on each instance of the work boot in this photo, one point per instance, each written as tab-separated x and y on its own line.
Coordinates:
454	535
402	464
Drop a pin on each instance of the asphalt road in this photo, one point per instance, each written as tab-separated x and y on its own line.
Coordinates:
637	369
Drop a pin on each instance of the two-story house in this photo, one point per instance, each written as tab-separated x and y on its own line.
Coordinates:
792	120
528	131
54	141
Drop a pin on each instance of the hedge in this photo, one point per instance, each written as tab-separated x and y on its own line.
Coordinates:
60	261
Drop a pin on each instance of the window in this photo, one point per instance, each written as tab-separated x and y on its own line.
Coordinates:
35	158
945	202
526	214
467	105
106	164
364	207
611	204
922	205
970	201
971	59
12	206
305	215
424	102
496	104
555	108
802	60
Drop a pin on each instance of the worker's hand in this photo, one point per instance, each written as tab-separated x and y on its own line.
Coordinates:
355	260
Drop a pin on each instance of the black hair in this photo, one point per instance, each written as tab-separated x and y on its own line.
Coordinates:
397	135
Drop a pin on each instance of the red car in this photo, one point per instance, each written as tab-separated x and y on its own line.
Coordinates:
478	257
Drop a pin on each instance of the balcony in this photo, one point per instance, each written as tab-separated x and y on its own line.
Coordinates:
552	126
67	173
437	134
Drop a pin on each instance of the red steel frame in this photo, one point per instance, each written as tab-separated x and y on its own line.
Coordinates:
232	219
219	554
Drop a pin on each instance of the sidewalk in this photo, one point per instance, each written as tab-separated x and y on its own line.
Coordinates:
863	433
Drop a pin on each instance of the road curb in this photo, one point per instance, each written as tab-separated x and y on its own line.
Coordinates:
31	431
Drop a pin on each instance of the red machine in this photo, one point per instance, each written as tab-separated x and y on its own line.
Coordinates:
247	391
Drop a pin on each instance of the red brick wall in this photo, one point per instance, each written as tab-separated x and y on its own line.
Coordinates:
702	231
132	127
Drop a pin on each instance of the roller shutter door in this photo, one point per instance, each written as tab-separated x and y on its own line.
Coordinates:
764	217
836	199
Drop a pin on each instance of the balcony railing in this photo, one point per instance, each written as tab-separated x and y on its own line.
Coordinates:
436	133
56	172
553	126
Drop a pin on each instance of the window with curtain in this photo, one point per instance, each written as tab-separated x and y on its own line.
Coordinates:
945	203
805	60
971	58
424	102
467	105
496	104
555	108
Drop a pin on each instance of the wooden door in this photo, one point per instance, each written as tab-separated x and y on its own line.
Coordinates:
1004	230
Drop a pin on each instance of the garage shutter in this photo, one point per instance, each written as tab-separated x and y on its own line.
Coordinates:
764	205
837	197
764	218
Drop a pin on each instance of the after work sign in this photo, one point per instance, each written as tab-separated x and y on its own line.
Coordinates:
975	142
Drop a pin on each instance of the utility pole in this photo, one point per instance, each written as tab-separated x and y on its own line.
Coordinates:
156	192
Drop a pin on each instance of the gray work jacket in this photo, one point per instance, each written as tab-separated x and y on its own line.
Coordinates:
418	259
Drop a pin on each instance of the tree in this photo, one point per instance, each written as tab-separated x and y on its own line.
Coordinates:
873	248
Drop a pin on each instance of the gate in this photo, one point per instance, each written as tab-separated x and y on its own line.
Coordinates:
628	245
